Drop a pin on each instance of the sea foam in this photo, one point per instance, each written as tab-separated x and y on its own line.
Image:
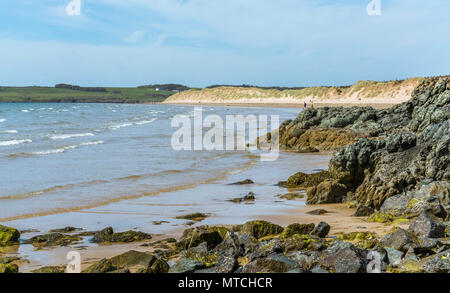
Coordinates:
14	142
66	136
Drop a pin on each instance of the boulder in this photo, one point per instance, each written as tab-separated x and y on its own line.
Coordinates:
9	269
426	226
276	263
50	270
53	239
108	235
260	229
330	191
8	235
195	236
293	229
187	266
363	211
321	230
400	239
303	180
343	257
132	260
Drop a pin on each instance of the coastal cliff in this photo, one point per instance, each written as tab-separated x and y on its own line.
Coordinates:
363	92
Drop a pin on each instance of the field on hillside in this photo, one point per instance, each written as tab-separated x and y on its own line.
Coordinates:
111	95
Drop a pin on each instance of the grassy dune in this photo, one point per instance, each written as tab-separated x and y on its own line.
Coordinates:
112	95
361	92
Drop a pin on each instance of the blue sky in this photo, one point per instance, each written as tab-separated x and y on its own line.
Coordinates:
204	42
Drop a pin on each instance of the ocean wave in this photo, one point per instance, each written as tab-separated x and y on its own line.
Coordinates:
128	124
145	122
66	136
8	131
2	120
115	127
25	111
55	151
14	142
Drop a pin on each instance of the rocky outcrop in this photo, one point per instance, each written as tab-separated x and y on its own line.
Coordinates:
401	153
8	235
107	235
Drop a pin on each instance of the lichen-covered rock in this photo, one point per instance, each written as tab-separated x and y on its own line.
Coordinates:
365	240
8	235
276	263
439	264
400	239
326	192
400	148
343	257
394	256
50	270
426	226
186	266
9	269
293	229
303	180
259	229
195	236
108	235
53	239
132	260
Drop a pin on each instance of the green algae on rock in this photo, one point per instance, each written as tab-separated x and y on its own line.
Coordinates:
8	235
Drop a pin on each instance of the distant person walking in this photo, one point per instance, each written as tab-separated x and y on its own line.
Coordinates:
305	105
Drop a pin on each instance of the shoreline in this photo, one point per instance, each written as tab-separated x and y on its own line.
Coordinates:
287	105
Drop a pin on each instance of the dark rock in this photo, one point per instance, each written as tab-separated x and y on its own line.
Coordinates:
65	230
108	235
186	266
226	264
50	270
400	239
343	257
321	230
195	236
276	263
317	212
326	192
243	182
53	239
438	264
394	256
197	217
426	226
267	248
248	198
363	211
131	260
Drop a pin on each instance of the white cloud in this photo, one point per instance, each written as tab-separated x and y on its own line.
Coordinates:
136	37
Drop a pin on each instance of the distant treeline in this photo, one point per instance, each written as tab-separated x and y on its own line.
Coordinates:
79	88
166	87
265	87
